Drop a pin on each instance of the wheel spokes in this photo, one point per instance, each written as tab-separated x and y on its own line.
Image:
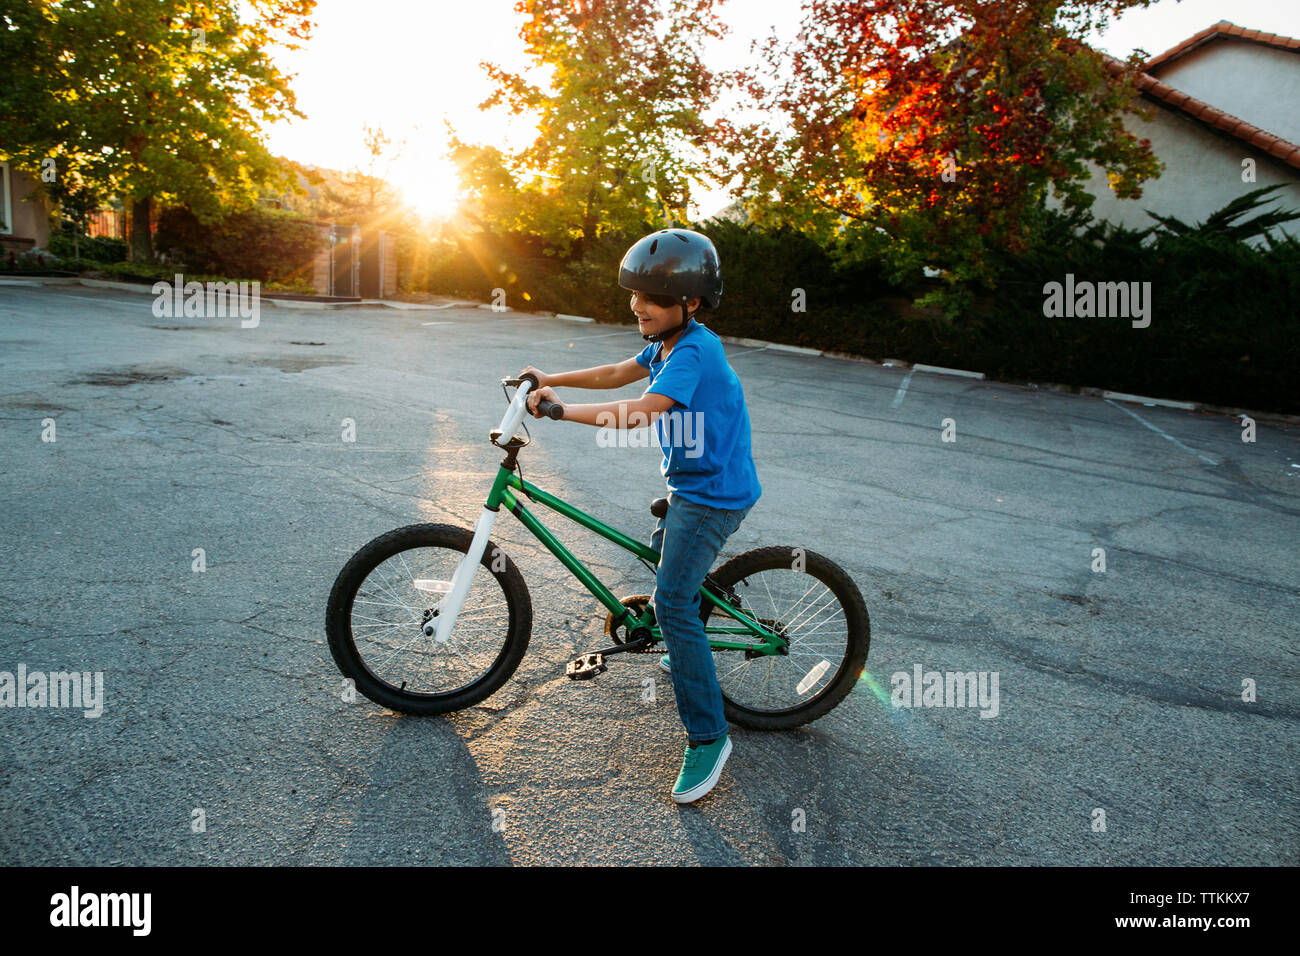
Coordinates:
395	601
815	624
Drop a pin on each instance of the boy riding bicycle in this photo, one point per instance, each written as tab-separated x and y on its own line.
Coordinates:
698	406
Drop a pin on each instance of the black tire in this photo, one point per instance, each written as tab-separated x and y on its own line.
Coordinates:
744	573
431	684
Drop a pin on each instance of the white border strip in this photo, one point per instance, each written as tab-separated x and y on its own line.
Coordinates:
1165	402
940	370
760	344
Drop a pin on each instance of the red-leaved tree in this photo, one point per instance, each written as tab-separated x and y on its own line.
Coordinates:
941	125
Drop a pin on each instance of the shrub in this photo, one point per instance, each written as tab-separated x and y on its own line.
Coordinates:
150	272
258	243
65	244
1225	313
1225	325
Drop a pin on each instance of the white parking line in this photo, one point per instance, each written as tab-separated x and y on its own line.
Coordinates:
902	389
748	351
1164	434
437	323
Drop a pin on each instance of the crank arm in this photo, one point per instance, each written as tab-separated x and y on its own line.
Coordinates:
621	648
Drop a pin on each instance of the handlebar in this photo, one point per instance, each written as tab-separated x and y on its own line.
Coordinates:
549	409
552	410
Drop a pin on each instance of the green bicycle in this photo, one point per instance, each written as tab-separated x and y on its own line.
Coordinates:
420	632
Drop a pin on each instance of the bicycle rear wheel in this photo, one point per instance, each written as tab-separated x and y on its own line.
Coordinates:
814	604
391	587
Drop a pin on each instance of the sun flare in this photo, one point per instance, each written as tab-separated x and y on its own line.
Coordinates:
432	190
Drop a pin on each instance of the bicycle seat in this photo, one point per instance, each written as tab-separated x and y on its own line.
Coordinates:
659	507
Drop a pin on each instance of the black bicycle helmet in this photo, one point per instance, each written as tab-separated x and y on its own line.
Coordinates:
677	263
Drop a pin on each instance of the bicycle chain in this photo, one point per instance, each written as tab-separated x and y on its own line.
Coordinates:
638	602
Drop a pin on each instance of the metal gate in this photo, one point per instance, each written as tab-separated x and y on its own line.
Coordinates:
345	260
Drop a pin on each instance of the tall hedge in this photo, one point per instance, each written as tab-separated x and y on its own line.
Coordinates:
265	244
1225	322
66	244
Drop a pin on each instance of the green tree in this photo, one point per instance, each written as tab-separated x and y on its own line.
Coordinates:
152	99
620	119
77	199
365	197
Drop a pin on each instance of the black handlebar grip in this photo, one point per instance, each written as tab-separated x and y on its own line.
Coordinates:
552	410
529	376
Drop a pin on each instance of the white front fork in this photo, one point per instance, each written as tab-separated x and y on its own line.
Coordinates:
439	628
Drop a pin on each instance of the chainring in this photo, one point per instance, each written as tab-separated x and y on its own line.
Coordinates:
620	634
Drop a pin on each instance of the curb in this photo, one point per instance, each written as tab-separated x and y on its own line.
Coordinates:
266	298
123	286
846	357
737	340
1273	418
298	304
40	280
940	370
1143	400
775	346
383	303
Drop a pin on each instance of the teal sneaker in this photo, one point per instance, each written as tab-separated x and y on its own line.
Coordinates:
664	665
701	768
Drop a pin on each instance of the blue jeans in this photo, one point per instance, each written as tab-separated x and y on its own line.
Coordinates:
688	539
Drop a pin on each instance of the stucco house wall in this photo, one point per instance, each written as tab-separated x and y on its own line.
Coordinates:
26	219
1203	173
1222	97
1257	83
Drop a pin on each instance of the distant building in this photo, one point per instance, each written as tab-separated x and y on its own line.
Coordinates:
1227	112
733	212
24	218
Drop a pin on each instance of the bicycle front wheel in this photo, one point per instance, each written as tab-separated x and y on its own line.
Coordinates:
392	587
814	604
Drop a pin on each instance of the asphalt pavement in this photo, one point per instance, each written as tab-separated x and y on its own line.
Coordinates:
1146	713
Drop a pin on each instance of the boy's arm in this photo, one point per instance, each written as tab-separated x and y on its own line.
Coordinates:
633	413
602	376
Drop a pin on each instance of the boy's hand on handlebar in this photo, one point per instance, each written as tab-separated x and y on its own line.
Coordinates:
542	377
535	396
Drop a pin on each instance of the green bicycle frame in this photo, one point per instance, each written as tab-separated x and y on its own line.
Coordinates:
503	493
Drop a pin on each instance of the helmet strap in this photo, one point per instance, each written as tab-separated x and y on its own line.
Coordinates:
661	336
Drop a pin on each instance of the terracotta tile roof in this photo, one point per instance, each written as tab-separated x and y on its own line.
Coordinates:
1221	29
1148	85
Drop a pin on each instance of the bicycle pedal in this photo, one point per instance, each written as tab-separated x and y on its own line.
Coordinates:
585	667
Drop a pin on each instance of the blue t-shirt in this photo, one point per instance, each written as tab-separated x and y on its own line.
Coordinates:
705	435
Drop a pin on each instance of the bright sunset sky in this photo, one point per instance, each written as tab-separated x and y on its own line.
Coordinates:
408	65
